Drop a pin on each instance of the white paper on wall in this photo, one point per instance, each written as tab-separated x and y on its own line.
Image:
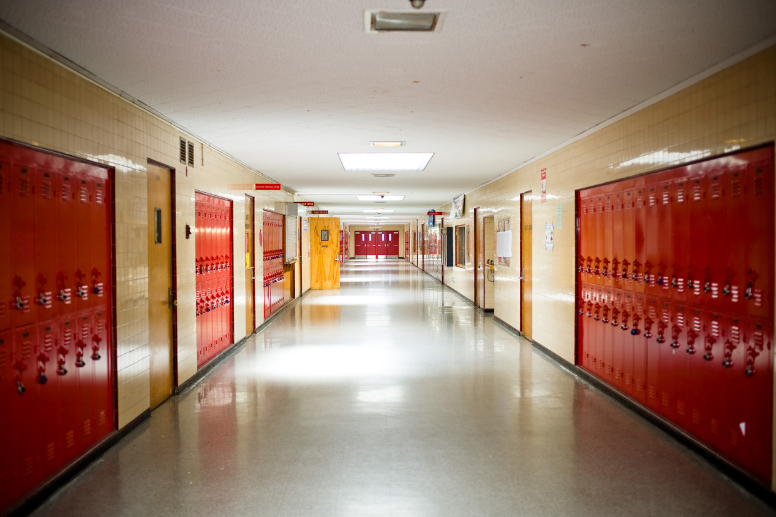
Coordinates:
504	244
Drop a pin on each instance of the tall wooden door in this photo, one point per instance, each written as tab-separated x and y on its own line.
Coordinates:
250	268
526	269
324	239
479	295
160	289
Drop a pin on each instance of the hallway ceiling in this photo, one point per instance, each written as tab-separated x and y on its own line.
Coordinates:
285	86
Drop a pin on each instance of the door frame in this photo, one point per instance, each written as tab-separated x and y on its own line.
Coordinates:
522	253
476	271
442	245
253	260
174	224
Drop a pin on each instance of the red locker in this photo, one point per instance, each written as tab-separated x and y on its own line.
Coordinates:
639	239
755	427
735	203
46	230
695	321
618	249
683	274
8	389
607	334
626	341
759	280
653	266
639	347
582	330
651	318
628	239
617	338
607	253
22	243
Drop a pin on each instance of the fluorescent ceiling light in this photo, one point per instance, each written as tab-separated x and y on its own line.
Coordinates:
387	144
377	211
380	198
383	175
385	161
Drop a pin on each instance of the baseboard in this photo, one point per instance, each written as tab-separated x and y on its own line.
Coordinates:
232	349
42	492
737	474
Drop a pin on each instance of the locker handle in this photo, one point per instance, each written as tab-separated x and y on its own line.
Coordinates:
605	271
729	347
625	265
691	336
96	339
635	330
752	353
61	353
79	354
710	340
605	318
661	328
615	313
751	278
648	327
625	316
42	360
676	330
19	366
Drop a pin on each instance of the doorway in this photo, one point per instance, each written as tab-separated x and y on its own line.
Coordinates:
161	296
250	268
526	269
489	257
477	259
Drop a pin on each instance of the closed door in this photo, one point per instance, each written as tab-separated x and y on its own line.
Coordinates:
526	272
479	285
250	268
382	244
160	288
324	263
372	249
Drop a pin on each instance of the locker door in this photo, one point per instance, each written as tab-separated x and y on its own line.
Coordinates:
86	378
617	338
373	244
66	245
758	396
52	405
696	398
46	230
683	275
651	318
639	348
733	185
583	353
617	240
584	239
628	239
698	242
719	403
716	217
639	239
608	241
600	249
5	251
626	341
758	291
68	387
28	425
652	236
102	417
22	304
82	234
666	265
607	333
8	398
668	369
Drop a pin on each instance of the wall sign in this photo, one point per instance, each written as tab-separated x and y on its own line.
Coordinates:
305	203
549	237
319	212
559	216
544	185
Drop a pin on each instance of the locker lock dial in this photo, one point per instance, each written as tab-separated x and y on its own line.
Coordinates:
625	316
61	353
605	271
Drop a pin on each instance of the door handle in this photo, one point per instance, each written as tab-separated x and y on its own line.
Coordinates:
171	301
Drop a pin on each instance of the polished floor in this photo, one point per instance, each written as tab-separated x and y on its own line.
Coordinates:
394	397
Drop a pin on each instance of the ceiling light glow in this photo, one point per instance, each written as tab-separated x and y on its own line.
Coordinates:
385	161
380	198
378	211
387	144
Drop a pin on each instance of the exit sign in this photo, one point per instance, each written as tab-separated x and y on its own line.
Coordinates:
434	213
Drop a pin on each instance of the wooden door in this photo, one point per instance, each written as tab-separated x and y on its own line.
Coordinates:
478	277
526	253
160	288
250	268
324	239
488	259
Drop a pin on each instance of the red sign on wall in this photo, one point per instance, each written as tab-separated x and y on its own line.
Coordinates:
319	211
305	203
266	186
434	213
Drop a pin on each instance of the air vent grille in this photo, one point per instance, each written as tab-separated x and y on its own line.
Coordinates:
376	21
191	154
182	150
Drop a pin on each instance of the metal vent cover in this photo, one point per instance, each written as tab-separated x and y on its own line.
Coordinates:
191	154
382	20
182	150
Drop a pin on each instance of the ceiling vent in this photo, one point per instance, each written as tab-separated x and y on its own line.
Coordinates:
403	21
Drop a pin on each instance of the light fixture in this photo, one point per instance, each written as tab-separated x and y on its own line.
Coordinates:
377	211
385	161
383	175
380	198
417	4
387	144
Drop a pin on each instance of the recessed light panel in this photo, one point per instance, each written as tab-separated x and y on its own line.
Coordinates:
387	144
385	161
380	198
377	211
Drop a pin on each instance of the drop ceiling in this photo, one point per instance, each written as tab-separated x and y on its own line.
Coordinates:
285	86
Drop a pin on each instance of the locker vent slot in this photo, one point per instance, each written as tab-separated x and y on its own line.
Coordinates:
666	198
757	339
639	202
102	418
680	407
696	192
84	193
697	324
26	349
69	439
24	186
680	320
45	189
759	186
98	195
182	150
735	188
48	342
734	293
67	338
50	451
715	190
87	427
735	335
652	200
191	154
608	205
66	191
715	328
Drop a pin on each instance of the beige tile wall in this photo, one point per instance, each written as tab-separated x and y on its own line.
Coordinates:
47	105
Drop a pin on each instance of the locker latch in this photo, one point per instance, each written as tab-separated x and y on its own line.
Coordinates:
605	271
61	353
597	270
691	337
675	331
707	281
661	329
42	360
648	327
729	274
581	267
615	268
605	318
635	274
625	265
751	278
752	354
661	272
675	276
96	286
615	313
582	306
82	291
589	265
648	273
18	303
729	348
708	347
635	330
96	339
19	366
625	316
597	308
79	354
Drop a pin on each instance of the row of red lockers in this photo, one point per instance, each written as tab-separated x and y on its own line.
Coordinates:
213	249
675	301
377	243
56	387
693	234
272	225
344	246
708	371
